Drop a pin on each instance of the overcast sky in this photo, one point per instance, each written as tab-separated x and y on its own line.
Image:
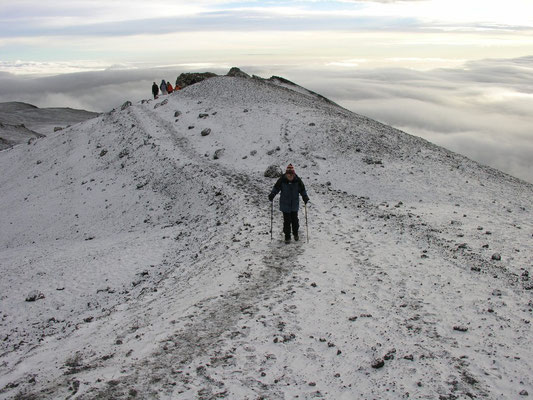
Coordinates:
456	72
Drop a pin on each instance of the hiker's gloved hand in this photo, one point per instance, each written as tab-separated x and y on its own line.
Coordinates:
270	197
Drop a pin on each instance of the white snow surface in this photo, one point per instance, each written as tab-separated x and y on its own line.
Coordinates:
161	281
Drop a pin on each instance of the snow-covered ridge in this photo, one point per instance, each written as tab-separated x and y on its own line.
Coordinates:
147	231
20	122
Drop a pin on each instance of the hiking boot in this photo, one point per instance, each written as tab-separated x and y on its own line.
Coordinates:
287	239
296	238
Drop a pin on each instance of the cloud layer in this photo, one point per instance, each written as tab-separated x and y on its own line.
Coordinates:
481	110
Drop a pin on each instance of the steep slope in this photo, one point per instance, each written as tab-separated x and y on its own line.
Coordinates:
150	243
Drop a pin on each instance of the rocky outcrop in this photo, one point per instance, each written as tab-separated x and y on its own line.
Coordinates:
237	73
190	78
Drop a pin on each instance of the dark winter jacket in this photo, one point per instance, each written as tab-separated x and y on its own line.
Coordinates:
289	199
155	89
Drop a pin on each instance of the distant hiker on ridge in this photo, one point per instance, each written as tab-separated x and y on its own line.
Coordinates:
169	87
163	87
155	90
291	187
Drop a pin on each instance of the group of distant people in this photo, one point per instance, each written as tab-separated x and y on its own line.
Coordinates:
164	87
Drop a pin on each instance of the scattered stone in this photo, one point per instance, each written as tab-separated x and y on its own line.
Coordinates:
203	115
177	114
497	257
206	131
460	328
371	161
312	124
270	152
390	354
125	105
164	102
218	154
191	127
34	295
57	129
524	393
409	357
123	153
352	319
273	171
103	152
378	363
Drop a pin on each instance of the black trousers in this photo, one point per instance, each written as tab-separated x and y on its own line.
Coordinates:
290	223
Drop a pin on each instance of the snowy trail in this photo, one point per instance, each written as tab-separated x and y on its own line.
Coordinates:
385	301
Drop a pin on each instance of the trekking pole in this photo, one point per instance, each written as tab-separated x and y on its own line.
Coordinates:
271	218
306	226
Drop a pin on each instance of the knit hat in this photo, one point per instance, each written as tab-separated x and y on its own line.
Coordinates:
290	169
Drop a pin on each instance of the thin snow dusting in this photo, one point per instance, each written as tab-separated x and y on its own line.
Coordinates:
137	262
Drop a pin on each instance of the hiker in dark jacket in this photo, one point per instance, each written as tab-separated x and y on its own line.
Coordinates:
291	187
163	87
155	90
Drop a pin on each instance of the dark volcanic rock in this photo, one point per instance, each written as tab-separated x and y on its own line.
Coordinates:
187	79
236	72
274	171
